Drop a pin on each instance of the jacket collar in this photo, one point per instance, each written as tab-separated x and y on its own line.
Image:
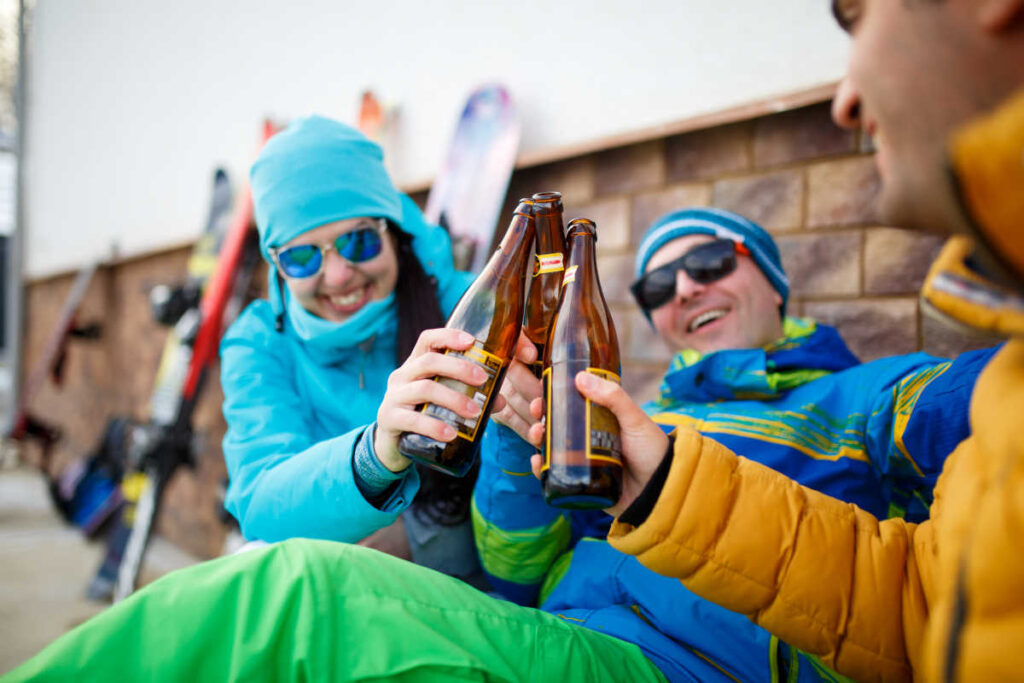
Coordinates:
806	352
987	161
955	292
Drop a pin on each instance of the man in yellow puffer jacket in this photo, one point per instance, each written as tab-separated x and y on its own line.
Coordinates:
940	86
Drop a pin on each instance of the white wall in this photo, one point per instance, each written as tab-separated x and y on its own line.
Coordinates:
133	102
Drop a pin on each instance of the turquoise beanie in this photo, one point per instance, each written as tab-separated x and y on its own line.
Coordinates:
719	223
319	171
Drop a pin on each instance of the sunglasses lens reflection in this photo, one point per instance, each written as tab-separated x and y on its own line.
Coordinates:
301	261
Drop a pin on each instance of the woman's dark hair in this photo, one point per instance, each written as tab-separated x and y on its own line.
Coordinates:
441	498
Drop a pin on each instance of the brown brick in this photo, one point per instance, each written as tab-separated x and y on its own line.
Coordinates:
798	135
629	169
642	381
574	178
773	200
612	218
872	328
707	153
896	261
824	264
638	338
650	206
949	341
842	192
616	273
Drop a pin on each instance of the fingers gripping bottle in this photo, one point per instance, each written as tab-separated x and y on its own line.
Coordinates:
582	453
548	266
492	311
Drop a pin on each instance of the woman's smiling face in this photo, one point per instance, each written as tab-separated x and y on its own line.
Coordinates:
342	288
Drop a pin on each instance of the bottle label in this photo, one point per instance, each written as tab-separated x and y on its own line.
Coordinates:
570	275
466	427
605	442
547	263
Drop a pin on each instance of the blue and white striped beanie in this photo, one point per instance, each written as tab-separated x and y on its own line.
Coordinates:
719	223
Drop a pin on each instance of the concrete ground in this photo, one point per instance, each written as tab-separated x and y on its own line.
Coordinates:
45	566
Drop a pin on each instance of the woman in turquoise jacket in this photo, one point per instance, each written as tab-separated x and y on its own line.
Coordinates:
316	382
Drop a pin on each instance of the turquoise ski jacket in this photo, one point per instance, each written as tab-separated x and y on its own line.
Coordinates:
297	401
873	434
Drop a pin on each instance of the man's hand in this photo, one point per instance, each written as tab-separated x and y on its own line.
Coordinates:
519	389
643	442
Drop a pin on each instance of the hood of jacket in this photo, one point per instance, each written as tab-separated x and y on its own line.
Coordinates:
806	352
987	161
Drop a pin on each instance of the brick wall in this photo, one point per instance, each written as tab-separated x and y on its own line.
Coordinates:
809	183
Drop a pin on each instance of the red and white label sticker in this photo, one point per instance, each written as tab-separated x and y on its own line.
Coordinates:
570	275
547	263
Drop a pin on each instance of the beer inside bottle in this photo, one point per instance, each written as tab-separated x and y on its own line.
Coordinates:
582	451
492	311
548	267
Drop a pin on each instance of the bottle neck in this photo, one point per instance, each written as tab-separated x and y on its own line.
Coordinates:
515	245
582	250
550	235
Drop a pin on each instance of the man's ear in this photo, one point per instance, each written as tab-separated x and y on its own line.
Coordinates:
997	16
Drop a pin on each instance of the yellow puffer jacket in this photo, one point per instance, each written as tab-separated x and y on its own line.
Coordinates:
943	600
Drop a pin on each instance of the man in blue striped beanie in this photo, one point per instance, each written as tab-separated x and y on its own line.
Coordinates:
710	279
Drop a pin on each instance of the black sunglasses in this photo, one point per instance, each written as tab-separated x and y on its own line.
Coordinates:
705	263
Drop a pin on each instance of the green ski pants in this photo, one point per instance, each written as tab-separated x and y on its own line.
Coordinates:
319	611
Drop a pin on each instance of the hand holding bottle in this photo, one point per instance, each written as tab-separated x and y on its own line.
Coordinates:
520	387
412	385
643	441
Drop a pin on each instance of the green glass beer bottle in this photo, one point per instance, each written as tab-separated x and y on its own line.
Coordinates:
492	311
548	266
582	451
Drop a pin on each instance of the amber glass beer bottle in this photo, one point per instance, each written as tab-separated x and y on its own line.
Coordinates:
548	266
582	453
492	311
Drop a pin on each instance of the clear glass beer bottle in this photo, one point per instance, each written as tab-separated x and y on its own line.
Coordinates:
492	311
548	266
582	451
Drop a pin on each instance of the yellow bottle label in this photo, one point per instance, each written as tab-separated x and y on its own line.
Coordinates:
570	275
605	442
466	427
547	263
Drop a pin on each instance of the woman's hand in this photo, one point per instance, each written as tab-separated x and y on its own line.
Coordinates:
643	442
519	389
412	385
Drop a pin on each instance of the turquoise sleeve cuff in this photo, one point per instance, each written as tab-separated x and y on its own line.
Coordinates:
372	478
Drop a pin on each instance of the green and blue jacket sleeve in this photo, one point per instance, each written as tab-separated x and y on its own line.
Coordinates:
517	534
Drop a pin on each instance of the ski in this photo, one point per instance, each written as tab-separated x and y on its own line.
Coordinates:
219	271
467	196
50	366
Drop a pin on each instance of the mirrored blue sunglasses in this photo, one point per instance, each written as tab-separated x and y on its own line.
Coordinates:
356	246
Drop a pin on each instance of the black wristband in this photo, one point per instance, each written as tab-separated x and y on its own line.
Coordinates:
637	513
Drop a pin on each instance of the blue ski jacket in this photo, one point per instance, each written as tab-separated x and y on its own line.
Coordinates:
874	434
297	401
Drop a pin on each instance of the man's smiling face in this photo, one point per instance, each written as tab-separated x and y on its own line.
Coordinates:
740	311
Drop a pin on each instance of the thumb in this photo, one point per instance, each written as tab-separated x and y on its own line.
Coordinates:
613	397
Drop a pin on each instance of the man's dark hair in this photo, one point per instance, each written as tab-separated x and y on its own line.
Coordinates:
441	498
